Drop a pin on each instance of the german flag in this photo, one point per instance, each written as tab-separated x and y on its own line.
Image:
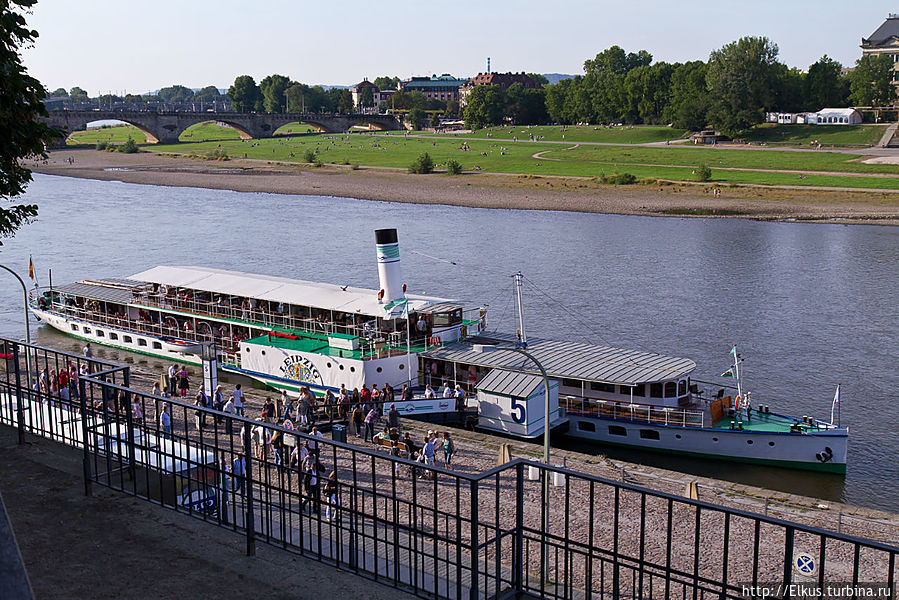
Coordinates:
30	268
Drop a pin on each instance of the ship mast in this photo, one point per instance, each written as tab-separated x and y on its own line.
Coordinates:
522	336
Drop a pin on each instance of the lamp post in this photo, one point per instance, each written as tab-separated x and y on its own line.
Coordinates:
27	324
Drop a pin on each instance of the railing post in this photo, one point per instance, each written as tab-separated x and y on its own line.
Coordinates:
788	556
86	458
473	591
249	519
20	410
518	552
129	423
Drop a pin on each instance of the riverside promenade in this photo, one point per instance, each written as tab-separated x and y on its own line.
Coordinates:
463	533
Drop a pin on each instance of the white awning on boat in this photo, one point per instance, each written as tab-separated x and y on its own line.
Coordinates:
325	296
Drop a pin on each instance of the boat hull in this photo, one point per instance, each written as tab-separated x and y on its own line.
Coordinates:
824	450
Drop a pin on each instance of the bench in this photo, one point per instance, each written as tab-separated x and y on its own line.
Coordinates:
389	444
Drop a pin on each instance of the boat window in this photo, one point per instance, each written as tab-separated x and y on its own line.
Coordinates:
447	319
157	346
617	430
586	426
655	390
670	389
141	342
681	387
127	339
100	333
113	336
575	383
640	390
74	327
87	330
603	387
649	434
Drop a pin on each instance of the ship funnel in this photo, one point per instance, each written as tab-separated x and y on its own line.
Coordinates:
389	273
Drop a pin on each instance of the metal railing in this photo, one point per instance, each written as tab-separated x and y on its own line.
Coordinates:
641	413
434	532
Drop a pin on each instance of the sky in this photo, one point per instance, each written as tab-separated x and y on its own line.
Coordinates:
124	46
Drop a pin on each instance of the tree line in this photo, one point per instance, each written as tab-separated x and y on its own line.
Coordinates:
731	91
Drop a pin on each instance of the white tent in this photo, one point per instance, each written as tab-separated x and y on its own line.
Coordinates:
835	116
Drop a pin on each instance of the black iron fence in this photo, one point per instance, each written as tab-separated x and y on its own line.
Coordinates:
434	532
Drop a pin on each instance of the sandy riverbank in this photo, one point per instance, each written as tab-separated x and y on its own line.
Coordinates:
479	190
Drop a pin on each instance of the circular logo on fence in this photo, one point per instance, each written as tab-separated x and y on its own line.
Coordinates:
805	564
288	425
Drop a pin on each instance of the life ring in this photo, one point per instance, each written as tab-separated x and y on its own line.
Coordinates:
463	331
435	340
438	340
737	401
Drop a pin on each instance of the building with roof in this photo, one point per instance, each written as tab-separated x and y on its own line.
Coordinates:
444	88
503	80
885	40
834	116
358	90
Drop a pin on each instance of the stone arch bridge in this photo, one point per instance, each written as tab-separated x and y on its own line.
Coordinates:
165	127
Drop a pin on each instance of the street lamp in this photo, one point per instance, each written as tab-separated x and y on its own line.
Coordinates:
25	296
27	324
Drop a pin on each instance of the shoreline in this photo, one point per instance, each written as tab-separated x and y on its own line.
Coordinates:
481	190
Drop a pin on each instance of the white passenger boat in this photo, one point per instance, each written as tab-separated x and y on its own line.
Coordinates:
289	333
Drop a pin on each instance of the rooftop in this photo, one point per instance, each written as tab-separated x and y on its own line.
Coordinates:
887	31
568	360
325	296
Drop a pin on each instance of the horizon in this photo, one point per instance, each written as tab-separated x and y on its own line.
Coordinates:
103	49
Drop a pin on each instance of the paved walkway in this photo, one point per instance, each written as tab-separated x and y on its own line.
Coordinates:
111	545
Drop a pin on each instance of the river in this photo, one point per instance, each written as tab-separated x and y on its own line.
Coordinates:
810	305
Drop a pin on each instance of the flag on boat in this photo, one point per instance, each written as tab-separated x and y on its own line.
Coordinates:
30	268
733	352
728	373
836	402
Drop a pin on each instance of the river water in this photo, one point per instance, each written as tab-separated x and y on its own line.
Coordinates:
810	305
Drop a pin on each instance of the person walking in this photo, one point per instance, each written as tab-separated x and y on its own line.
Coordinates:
332	495
201	401
310	483
172	379
218	402
183	382
165	422
314	444
358	418
393	418
238	471
370	419
237	398
230	410
449	448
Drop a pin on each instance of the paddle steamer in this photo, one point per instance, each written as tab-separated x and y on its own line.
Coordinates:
290	333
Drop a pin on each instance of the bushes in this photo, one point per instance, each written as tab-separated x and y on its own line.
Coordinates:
703	172
453	167
618	179
129	147
101	145
309	156
422	165
217	154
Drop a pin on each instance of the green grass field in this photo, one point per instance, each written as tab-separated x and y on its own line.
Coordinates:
115	134
805	135
626	134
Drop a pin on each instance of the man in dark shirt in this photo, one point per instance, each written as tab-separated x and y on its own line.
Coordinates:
393	417
407	393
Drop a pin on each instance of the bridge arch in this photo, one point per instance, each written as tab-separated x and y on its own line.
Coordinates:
310	124
241	131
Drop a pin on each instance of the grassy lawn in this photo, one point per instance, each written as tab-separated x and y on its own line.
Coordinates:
115	134
819	160
804	135
499	156
208	131
626	134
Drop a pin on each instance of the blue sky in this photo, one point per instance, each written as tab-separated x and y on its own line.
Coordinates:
129	46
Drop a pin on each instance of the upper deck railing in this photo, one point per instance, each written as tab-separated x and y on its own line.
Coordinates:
641	413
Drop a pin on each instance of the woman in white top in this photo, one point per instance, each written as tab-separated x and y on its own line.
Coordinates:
429	393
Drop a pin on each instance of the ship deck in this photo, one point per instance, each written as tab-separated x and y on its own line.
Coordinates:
761	422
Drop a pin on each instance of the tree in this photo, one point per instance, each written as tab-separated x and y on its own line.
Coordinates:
416	118
614	60
273	88
207	94
789	89
245	95
689	101
21	107
403	100
539	79
366	97
824	87
422	165
176	93
525	106
435	120
484	107
77	92
59	93
648	92
452	108
871	82
341	100
387	83
741	81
